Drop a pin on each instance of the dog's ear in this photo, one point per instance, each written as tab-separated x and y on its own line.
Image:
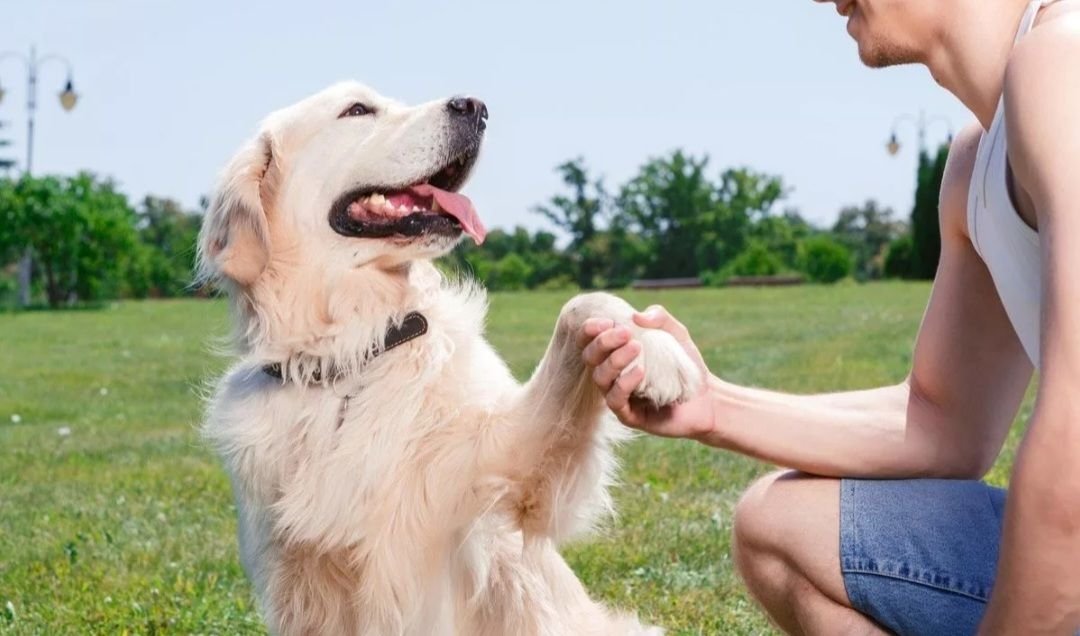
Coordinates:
234	242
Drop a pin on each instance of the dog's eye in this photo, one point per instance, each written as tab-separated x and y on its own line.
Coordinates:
356	110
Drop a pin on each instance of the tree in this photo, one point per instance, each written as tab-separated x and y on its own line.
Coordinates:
664	204
925	231
824	260
510	273
579	214
689	223
166	260
781	235
81	230
756	260
9	247
867	231
898	258
513	260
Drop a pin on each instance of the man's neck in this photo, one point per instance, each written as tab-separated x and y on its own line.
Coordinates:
970	51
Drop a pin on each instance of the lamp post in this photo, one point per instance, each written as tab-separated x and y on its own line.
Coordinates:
68	99
921	123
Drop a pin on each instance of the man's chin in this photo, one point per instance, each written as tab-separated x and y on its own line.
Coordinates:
879	55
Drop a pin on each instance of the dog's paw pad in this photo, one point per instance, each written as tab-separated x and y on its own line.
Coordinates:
671	377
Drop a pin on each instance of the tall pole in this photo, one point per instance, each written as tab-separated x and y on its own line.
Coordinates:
31	104
26	263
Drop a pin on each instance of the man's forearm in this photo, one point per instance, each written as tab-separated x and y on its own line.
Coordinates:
883	433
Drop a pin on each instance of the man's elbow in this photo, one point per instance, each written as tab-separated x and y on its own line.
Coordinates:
966	461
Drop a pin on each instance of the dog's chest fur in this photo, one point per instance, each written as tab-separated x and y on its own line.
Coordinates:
345	467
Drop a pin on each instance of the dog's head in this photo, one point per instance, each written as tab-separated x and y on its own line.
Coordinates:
342	180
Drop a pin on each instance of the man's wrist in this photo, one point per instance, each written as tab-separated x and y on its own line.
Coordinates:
713	433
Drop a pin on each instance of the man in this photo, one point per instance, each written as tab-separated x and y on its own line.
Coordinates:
883	525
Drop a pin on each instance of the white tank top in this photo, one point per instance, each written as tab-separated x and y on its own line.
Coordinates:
1008	246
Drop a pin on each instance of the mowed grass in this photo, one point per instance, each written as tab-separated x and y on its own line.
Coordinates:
114	517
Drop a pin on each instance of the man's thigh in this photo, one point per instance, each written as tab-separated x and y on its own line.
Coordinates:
794	519
919	556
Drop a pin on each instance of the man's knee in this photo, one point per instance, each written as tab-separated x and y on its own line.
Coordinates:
756	525
777	517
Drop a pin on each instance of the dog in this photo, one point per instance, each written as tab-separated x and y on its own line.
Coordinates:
390	475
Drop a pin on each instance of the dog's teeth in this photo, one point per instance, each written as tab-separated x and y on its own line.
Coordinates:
416	208
387	207
377	200
435	206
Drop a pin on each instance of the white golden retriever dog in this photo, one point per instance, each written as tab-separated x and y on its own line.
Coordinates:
391	476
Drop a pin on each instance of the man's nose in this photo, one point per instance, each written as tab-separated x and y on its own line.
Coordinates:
468	109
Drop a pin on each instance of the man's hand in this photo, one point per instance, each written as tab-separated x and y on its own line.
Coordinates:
608	349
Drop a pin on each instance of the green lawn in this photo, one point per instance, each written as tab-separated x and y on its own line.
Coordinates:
125	524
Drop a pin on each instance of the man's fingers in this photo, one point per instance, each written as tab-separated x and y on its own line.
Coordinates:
601	347
609	370
592	328
619	396
657	317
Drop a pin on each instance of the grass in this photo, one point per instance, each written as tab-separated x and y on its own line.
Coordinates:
114	518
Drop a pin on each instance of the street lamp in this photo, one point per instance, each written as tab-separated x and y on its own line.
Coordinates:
68	96
68	99
921	123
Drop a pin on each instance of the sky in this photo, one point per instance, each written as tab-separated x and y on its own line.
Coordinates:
170	89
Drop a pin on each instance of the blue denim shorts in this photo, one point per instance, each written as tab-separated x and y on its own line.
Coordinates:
919	556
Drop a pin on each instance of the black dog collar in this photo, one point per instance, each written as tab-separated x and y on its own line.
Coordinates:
412	327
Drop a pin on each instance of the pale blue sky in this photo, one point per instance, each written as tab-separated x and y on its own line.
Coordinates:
170	89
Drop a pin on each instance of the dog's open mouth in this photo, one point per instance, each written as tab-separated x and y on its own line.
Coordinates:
432	206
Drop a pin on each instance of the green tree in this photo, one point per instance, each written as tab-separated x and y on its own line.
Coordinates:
781	235
756	260
168	234
925	231
510	273
898	258
543	259
824	260
689	223
867	231
580	214
81	231
665	204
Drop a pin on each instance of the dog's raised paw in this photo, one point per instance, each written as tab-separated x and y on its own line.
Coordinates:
671	377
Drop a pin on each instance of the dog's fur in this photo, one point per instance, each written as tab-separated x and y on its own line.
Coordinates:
424	491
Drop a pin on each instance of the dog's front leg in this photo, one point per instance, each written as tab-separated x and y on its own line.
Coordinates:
556	444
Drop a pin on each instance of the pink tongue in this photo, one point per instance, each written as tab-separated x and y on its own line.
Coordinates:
456	205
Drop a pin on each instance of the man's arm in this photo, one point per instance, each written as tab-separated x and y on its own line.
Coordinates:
948	419
1038	585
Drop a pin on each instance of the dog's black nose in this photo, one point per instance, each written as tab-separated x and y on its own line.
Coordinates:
469	108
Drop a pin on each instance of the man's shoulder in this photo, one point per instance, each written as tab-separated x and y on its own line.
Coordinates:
1050	51
1042	98
956	181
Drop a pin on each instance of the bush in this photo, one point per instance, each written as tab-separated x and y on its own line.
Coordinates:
563	282
510	273
824	260
756	260
900	258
